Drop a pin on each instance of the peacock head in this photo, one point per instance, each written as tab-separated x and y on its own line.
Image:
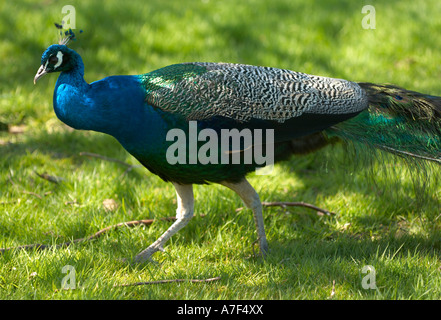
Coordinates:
58	57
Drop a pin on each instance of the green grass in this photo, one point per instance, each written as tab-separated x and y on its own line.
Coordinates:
380	220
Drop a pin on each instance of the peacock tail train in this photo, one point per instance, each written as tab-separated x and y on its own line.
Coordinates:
403	122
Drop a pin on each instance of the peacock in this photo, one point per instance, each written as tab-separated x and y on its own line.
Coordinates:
288	112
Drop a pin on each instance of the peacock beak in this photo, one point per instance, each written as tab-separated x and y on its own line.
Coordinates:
41	72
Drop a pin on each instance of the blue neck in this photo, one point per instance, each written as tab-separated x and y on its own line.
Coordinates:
114	105
70	103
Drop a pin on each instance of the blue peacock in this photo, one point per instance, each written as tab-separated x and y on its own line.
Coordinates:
304	112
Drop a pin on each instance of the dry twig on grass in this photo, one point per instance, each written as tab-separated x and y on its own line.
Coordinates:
23	189
168	281
294	204
94	236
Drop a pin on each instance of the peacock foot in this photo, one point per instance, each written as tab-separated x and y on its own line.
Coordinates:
146	255
263	247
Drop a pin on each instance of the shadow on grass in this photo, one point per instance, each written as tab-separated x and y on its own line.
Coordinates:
309	268
60	145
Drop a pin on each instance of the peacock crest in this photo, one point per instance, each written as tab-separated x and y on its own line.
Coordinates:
66	36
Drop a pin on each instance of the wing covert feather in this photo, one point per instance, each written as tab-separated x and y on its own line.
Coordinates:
200	91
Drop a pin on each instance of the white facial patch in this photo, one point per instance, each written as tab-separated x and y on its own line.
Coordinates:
60	59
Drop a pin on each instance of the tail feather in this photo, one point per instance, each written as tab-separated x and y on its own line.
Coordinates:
403	122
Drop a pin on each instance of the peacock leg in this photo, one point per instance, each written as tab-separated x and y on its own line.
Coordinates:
251	199
184	213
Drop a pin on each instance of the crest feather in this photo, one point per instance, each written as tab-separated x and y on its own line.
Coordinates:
66	36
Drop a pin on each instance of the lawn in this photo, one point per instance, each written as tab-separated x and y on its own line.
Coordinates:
381	219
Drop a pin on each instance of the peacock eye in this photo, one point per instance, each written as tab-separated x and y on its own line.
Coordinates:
53	60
